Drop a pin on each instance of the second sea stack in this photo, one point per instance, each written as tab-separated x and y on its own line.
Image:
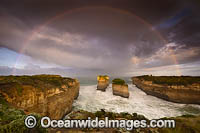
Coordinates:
120	88
103	82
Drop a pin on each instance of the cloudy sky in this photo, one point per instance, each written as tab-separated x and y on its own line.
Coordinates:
90	37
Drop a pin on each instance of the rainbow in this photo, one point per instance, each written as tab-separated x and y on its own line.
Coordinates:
60	15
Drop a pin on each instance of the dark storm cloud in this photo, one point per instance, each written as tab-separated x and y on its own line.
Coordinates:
98	37
36	11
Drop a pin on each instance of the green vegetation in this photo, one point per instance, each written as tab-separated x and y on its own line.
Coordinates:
184	124
37	81
12	120
81	114
99	113
118	81
171	80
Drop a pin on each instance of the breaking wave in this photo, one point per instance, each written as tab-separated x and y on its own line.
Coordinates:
139	102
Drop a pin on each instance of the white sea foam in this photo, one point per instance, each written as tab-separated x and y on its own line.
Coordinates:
151	107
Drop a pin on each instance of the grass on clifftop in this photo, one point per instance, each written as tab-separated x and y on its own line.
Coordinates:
37	81
118	81
171	80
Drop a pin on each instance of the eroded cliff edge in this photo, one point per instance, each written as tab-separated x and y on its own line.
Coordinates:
47	95
182	89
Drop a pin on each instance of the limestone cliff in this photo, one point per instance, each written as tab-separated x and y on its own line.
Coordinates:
103	82
188	93
120	88
48	95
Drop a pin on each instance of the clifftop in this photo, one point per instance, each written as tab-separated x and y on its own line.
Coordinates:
38	81
118	81
170	80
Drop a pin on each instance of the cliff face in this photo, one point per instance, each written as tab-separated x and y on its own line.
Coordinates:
120	90
188	94
47	95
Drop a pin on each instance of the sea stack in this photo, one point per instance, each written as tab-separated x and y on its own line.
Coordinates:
120	88
103	82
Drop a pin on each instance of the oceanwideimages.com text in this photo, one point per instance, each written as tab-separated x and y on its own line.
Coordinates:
46	122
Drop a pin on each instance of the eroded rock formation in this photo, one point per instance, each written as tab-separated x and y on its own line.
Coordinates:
103	82
188	94
48	95
120	88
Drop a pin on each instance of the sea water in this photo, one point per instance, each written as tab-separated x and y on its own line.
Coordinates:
91	99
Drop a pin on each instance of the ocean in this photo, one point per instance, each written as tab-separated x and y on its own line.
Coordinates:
139	102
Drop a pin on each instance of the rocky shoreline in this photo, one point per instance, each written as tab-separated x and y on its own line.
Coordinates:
12	120
187	94
184	124
53	95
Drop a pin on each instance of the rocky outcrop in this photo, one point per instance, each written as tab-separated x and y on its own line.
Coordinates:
188	94
120	88
183	124
47	95
103	82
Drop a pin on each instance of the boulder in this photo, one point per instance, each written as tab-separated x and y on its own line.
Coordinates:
120	88
103	82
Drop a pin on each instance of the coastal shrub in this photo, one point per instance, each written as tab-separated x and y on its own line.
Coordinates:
171	80
188	115
118	81
3	102
124	114
99	114
12	119
17	126
111	115
38	81
184	124
134	114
